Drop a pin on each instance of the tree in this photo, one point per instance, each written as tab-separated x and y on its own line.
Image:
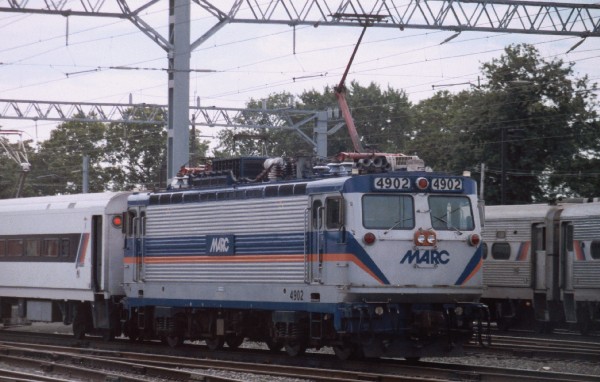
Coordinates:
57	167
542	121
12	155
136	154
263	141
528	123
383	119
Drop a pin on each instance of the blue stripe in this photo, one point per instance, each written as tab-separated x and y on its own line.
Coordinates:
244	244
470	266
256	305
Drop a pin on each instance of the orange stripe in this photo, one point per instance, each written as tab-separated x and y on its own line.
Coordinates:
83	249
350	257
297	258
475	270
523	255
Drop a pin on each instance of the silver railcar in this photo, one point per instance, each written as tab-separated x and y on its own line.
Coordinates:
542	265
61	259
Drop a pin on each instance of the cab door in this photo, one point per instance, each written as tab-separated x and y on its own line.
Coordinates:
316	246
325	233
136	228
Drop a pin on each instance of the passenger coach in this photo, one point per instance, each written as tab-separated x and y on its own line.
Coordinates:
61	260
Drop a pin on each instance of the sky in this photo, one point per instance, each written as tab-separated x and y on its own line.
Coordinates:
81	59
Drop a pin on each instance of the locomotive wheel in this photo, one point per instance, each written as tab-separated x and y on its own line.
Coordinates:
79	330
584	320
234	341
344	351
274	346
215	343
132	331
544	327
174	340
108	335
294	348
82	321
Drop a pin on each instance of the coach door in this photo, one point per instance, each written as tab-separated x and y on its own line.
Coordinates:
97	253
538	251
135	236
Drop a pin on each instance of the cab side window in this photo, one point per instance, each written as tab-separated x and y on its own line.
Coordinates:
335	216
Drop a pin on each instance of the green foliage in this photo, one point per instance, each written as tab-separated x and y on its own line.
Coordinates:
383	120
262	141
10	170
136	154
57	166
531	113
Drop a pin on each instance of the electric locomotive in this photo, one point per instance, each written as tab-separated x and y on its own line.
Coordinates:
378	257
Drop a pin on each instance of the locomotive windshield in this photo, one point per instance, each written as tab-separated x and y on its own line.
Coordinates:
388	212
451	213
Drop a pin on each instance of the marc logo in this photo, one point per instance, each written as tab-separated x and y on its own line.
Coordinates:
426	257
220	244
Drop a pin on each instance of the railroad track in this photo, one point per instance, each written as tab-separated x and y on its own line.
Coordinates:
582	349
136	366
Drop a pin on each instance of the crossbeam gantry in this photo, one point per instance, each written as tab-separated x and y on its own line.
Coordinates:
511	16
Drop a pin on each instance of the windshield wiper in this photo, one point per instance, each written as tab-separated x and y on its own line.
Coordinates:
447	224
396	224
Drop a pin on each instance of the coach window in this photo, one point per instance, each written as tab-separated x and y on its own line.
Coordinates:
51	247
2	248
33	247
569	237
65	248
335	217
14	247
484	250
500	251
129	222
595	249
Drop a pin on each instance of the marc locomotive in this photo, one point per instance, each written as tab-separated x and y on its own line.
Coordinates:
372	257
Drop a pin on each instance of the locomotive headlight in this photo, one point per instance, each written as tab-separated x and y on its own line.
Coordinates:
427	238
379	310
431	239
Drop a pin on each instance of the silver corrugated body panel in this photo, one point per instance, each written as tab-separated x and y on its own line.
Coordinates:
238	273
586	229
178	229
233	216
586	274
507	273
519	230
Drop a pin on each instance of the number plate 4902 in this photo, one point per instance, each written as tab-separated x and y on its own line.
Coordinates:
391	183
